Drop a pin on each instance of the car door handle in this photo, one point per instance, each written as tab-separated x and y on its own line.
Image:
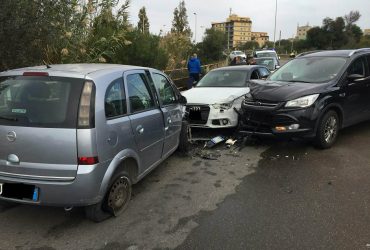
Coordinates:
140	129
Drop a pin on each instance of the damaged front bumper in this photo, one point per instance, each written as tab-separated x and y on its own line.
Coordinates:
275	121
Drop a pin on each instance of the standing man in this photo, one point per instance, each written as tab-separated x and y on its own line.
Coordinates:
194	70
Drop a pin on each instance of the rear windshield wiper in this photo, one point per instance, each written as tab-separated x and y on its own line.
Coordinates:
8	118
298	81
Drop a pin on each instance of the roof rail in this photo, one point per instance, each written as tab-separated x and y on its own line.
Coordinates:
307	53
358	51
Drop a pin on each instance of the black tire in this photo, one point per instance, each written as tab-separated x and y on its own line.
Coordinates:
184	144
327	130
115	201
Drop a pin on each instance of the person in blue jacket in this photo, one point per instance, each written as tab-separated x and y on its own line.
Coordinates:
194	70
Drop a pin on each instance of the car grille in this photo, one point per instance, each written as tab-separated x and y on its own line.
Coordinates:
198	114
257	121
257	103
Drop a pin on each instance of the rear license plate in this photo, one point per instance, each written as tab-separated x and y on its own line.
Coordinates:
19	191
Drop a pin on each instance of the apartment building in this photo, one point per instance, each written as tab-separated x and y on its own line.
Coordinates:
239	31
302	32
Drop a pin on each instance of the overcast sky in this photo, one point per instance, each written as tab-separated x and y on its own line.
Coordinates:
262	13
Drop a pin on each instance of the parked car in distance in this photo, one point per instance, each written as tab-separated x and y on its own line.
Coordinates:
215	100
269	62
82	134
236	53
267	53
314	95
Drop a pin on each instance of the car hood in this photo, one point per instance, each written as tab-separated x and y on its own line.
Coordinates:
213	95
277	91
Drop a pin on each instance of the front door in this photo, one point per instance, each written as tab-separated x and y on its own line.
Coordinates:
356	107
172	112
146	119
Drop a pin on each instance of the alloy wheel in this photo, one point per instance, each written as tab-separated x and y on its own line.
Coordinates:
331	129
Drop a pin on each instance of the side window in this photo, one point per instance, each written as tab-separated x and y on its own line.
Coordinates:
358	67
139	93
255	74
165	90
115	100
264	73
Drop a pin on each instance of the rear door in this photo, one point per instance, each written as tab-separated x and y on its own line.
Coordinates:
146	118
172	112
38	117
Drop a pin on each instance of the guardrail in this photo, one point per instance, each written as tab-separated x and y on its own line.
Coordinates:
181	76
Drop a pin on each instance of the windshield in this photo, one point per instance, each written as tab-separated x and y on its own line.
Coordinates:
310	69
238	53
224	78
39	101
267	62
266	54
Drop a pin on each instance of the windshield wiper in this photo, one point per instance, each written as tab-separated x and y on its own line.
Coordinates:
298	81
9	118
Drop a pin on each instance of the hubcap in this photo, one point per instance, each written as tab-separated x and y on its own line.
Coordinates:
119	194
331	127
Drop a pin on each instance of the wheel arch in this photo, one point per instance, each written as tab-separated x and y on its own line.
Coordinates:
128	161
335	107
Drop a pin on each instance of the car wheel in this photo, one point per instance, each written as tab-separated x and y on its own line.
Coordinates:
116	200
184	138
327	130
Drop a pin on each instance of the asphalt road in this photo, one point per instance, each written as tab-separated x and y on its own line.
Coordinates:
298	198
267	195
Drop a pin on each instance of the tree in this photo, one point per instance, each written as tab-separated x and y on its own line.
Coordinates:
210	50
37	31
144	50
178	47
180	22
143	24
351	18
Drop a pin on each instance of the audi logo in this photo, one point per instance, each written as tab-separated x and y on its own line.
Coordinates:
195	108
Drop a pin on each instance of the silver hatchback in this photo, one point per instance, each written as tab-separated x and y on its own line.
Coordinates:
82	134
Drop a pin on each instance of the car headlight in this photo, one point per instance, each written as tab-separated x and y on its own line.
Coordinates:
302	102
223	105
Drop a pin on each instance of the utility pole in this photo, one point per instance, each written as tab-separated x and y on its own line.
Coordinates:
275	23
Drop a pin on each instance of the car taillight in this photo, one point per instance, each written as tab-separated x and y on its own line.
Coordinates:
35	74
88	160
86	109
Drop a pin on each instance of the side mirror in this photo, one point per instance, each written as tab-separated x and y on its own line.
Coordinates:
354	77
182	100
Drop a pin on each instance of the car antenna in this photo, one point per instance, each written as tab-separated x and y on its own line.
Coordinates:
47	65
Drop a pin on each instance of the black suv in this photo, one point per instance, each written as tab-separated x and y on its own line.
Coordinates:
313	95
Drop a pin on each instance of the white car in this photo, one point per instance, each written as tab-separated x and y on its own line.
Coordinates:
236	53
217	98
267	53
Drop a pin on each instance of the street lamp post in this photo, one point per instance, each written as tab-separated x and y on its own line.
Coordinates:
275	23
195	28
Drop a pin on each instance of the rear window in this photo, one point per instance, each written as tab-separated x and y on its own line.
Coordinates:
266	54
30	101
